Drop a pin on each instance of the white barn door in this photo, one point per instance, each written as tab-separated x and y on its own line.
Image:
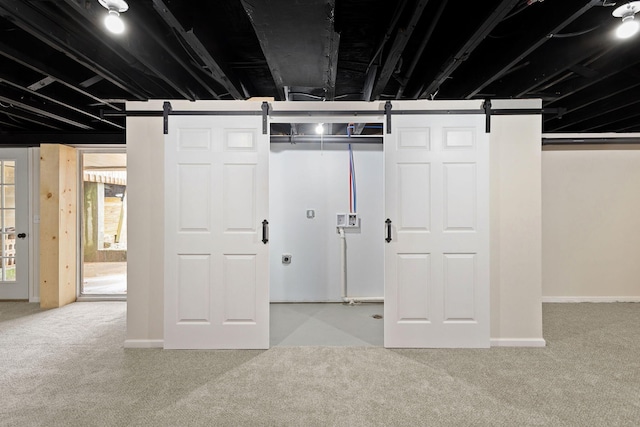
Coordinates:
437	261
216	263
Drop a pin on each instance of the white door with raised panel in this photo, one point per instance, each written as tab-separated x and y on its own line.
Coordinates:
216	235
14	224
437	259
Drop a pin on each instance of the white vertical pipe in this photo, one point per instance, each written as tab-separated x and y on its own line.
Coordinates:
343	275
343	262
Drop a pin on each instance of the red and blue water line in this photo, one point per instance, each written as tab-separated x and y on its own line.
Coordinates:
352	174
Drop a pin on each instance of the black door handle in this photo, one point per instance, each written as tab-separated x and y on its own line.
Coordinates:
388	222
22	235
265	231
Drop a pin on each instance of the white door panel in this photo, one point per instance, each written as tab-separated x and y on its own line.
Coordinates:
437	263
216	265
14	224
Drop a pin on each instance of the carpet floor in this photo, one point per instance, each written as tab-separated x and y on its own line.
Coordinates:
68	367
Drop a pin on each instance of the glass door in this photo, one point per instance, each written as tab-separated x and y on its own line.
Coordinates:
14	224
104	224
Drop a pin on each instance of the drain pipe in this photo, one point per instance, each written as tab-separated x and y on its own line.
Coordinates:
343	262
343	274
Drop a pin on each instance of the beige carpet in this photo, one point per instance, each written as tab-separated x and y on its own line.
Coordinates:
67	367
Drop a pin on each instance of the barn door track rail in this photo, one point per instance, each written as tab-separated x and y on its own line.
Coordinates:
266	111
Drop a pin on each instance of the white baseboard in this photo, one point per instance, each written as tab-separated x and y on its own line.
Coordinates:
518	342
143	343
590	299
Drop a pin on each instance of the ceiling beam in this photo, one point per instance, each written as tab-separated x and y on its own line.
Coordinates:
607	122
597	94
557	57
30	119
488	75
397	48
42	27
136	43
210	65
6	80
406	77
37	138
28	106
452	64
609	68
39	67
601	110
299	42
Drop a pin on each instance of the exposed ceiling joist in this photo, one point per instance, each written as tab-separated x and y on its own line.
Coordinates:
560	56
397	48
615	104
490	75
212	67
595	95
85	138
81	50
447	69
608	68
404	80
29	119
39	67
6	80
28	106
154	56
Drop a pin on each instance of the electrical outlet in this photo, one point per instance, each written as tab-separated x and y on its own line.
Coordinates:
286	258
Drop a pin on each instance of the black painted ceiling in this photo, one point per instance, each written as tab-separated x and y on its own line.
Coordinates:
63	76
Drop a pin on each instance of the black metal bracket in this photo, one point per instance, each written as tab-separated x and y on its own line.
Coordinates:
486	106
387	113
265	117
166	109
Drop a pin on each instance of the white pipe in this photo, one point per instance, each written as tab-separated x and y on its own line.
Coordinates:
343	276
343	262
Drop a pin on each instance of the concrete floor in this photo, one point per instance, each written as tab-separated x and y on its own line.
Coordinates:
326	324
104	278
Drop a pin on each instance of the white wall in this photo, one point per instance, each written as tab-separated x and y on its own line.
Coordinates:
516	236
145	251
591	224
304	177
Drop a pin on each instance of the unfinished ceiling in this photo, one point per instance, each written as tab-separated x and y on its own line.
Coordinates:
64	78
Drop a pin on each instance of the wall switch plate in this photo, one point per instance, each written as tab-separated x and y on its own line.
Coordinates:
286	258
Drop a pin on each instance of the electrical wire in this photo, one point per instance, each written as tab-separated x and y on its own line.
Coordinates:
574	34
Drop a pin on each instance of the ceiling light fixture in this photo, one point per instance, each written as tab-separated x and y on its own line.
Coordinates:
113	22
629	25
320	128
